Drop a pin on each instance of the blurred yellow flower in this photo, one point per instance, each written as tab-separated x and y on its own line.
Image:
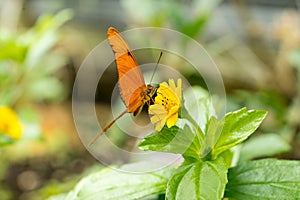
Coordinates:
9	123
166	106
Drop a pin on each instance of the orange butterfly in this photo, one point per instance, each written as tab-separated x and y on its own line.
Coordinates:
134	92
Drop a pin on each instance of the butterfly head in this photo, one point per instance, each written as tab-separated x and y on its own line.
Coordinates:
151	90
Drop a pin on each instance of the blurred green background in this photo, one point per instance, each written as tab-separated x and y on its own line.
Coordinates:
255	45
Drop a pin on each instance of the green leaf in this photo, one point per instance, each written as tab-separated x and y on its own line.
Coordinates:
263	145
265	180
229	157
174	187
200	180
238	126
173	140
120	184
214	131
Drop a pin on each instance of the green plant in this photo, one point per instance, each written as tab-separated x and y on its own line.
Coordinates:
28	62
189	18
210	148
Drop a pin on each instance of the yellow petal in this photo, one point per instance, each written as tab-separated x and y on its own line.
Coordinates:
160	125
172	117
165	93
156	109
178	90
165	84
172	85
156	118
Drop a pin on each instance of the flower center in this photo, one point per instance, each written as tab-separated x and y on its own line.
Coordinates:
168	104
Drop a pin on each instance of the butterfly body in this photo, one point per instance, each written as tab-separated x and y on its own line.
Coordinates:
143	95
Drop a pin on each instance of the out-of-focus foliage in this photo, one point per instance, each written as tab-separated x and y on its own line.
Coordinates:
28	63
187	17
278	89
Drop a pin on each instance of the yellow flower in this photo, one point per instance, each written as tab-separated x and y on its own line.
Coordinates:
167	104
9	123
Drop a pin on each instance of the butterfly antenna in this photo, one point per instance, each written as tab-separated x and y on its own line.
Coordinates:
160	55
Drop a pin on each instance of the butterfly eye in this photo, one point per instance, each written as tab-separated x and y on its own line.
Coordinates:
148	91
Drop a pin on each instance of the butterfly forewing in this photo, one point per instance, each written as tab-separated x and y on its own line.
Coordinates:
131	81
